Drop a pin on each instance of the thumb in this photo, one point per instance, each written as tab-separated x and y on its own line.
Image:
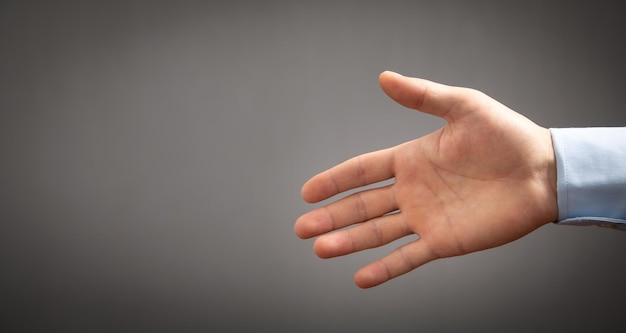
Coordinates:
423	95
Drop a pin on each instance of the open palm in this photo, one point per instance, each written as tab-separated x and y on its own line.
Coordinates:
484	179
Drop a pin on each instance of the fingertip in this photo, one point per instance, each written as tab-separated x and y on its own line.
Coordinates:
311	224
388	73
370	276
392	85
419	94
296	229
332	245
302	228
310	191
317	189
384	76
366	282
306	194
321	248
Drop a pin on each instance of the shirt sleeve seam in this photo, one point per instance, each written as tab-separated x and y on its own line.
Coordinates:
565	180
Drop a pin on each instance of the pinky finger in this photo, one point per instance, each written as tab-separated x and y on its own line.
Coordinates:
401	261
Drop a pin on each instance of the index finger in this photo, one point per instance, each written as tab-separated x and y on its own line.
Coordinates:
358	171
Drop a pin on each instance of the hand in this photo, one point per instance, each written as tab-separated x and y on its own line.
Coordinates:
486	178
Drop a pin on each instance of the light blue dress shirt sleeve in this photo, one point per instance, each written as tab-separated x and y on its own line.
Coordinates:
591	176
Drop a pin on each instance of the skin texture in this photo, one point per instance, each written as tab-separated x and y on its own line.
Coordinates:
486	178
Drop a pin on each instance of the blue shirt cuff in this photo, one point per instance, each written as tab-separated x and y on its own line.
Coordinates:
591	175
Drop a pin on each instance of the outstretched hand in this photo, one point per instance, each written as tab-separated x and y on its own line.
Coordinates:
486	178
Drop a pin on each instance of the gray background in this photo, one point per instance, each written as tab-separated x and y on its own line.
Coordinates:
152	155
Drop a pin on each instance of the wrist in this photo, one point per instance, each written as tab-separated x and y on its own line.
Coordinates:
551	178
546	177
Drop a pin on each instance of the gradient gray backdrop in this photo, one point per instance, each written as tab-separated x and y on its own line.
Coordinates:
152	153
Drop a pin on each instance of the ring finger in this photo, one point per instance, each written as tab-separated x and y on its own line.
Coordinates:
373	233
